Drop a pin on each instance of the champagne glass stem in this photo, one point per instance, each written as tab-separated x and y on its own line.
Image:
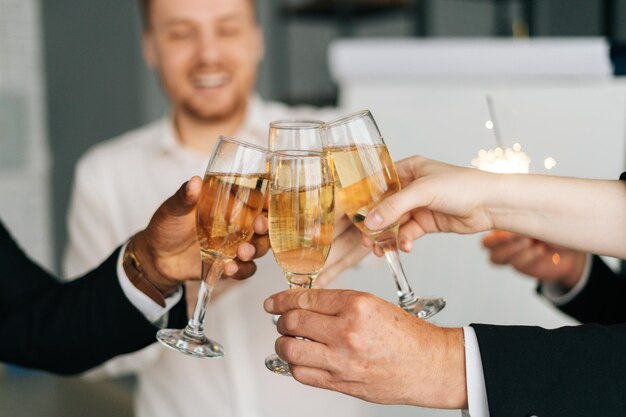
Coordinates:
390	248
273	362
212	268
191	340
421	307
300	281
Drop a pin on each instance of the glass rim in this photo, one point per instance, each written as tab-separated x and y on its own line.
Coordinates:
224	138
294	124
348	118
297	153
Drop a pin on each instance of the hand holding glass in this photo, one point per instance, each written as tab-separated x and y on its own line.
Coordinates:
233	195
365	174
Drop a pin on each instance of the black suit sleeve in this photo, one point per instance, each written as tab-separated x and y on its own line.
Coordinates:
602	299
71	327
575	371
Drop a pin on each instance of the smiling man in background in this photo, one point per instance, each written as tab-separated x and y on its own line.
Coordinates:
206	55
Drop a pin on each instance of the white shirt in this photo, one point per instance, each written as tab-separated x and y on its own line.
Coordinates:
118	186
152	311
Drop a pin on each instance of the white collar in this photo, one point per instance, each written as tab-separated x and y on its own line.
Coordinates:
252	128
168	138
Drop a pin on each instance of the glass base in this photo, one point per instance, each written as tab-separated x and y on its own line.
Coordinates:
424	307
183	342
277	365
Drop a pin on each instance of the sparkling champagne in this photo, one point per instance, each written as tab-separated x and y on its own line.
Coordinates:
229	203
364	175
301	230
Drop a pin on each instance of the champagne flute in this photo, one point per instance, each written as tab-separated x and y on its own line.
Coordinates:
365	174
233	195
301	207
296	134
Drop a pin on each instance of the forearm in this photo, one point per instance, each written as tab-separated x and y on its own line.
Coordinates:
581	214
73	327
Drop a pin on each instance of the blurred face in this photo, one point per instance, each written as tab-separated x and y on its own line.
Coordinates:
206	53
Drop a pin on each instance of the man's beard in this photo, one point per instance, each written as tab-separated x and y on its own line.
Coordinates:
214	115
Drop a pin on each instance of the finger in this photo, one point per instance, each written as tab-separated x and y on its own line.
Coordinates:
260	224
525	260
322	301
342	223
497	238
505	253
314	377
391	208
406	169
497	245
230	267
405	218
370	244
184	200
298	352
256	248
311	325
246	251
194	188
405	245
542	248
549	247
409	232
261	245
243	269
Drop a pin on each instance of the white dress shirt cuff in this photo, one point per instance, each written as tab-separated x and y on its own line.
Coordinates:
475	379
150	309
557	295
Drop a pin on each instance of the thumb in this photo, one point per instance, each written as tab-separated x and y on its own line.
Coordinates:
185	199
390	209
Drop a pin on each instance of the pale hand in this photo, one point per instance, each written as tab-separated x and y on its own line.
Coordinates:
435	197
365	347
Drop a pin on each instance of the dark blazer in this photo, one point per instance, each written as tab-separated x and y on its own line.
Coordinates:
71	327
575	371
602	300
569	372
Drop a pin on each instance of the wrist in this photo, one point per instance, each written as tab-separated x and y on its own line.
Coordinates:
444	383
500	199
575	272
143	251
455	381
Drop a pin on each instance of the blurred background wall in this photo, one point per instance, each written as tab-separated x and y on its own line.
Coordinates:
72	74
